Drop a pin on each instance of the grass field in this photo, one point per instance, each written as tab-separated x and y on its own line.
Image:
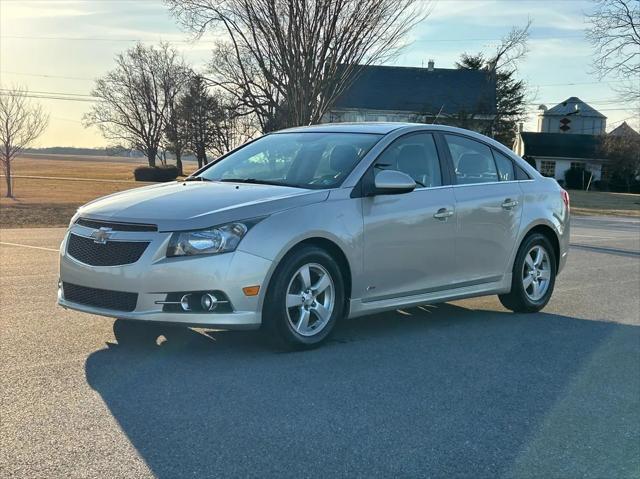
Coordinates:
52	202
604	203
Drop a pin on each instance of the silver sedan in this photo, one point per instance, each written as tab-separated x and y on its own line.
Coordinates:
300	228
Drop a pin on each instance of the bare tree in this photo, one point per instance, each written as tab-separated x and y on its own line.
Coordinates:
235	128
135	98
290	60
614	31
21	122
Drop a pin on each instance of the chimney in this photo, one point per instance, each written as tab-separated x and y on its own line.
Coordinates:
430	65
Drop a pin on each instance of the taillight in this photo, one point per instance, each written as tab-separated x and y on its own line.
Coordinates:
565	199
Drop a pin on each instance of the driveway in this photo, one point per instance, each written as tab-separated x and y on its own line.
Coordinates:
464	389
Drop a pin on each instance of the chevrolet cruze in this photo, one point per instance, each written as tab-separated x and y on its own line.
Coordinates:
301	228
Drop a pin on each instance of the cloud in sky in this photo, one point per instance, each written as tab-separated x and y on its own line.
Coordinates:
41	38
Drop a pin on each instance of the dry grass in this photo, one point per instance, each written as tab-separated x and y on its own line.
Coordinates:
601	203
52	202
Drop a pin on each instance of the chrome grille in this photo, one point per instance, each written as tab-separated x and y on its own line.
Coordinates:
97	224
111	253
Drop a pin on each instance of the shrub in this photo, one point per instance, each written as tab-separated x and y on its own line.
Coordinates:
577	178
154	173
601	185
624	182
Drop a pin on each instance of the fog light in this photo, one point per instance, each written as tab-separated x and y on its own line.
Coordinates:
208	302
184	302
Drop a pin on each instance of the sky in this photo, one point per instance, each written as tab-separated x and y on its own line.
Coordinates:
58	47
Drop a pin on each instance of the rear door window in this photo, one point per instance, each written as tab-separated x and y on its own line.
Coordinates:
472	160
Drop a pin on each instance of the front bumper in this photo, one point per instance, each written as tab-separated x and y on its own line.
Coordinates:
154	276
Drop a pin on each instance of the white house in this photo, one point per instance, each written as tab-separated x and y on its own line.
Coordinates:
389	93
568	135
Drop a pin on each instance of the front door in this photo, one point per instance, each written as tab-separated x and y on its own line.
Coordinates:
409	238
488	210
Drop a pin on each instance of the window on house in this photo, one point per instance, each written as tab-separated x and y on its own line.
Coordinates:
578	164
548	168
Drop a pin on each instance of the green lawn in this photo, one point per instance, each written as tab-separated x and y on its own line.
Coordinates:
604	203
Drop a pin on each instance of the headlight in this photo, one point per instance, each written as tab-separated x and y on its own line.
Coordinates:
220	239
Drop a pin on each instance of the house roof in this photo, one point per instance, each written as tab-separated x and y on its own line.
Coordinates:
420	90
561	145
571	106
624	130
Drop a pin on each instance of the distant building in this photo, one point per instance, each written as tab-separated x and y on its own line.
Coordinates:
569	135
624	130
386	93
572	116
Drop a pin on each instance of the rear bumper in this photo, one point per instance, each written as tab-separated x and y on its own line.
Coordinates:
154	276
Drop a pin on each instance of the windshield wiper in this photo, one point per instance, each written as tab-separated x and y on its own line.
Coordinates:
196	178
255	181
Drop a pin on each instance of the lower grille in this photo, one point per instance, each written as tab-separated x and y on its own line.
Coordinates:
111	253
100	298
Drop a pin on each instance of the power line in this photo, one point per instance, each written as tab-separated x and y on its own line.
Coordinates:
49	97
200	40
44	75
579	83
57	93
100	39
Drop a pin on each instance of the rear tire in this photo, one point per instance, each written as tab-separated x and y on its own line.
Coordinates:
533	276
305	299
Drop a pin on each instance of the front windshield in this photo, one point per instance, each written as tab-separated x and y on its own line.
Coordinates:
303	160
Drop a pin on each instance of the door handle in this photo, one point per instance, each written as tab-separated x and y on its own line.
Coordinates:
443	214
509	204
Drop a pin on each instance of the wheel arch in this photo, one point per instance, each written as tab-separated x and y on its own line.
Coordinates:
549	233
332	248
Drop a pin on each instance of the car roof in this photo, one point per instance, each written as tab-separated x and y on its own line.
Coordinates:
379	128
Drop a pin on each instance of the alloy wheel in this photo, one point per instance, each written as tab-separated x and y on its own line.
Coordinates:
536	273
310	299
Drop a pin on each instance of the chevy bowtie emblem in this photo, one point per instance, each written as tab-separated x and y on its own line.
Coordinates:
102	235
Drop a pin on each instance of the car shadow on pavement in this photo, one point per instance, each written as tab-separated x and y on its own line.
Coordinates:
427	392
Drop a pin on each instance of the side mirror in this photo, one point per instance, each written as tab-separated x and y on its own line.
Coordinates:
392	182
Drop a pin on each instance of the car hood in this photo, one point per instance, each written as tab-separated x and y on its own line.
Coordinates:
195	205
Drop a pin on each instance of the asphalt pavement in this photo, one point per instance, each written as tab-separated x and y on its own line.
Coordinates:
464	389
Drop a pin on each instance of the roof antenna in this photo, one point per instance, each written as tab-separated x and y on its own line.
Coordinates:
437	116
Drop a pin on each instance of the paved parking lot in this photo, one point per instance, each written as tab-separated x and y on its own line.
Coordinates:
464	389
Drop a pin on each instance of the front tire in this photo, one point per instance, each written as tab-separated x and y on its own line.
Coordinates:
534	276
304	300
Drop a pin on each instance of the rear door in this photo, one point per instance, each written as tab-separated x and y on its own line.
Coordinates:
488	209
408	238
